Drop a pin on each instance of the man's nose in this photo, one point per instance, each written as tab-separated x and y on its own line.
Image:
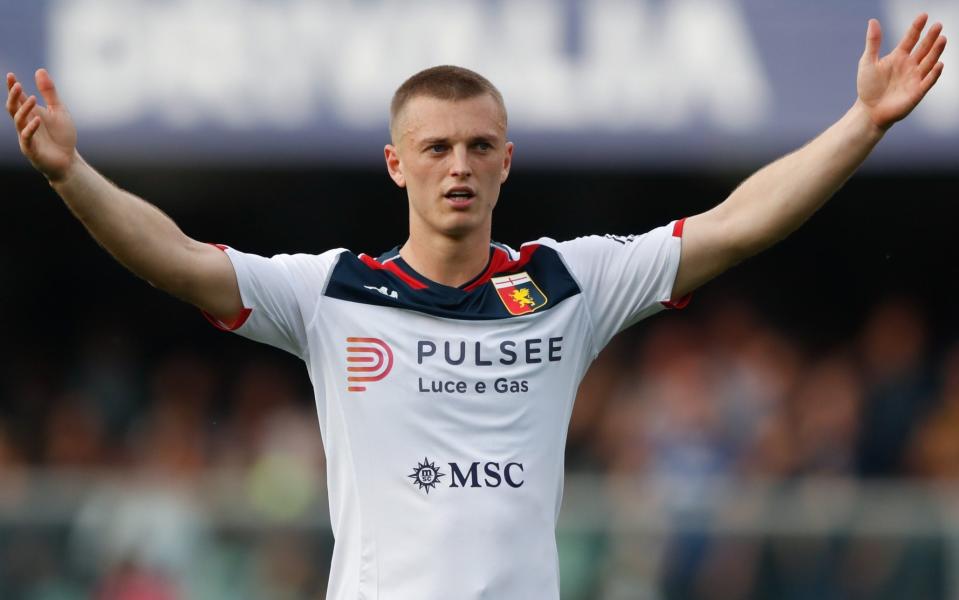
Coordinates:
460	166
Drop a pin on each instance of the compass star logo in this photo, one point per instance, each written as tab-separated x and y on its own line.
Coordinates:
426	475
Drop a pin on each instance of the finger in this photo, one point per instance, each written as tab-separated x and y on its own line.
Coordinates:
47	89
932	57
11	79
22	116
873	41
14	99
912	36
931	79
928	41
26	134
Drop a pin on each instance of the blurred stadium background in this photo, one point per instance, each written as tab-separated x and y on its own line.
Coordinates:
793	434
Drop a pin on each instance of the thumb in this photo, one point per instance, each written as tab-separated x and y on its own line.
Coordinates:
47	89
873	41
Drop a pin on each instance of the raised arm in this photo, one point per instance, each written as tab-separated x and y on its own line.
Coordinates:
780	197
136	233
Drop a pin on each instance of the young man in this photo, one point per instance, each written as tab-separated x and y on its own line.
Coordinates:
445	370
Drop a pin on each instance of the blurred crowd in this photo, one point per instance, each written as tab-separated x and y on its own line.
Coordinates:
734	396
679	402
692	406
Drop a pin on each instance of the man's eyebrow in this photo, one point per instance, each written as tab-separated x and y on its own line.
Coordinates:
488	138
483	137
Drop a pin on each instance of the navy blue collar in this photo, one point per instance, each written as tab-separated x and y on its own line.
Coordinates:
394	257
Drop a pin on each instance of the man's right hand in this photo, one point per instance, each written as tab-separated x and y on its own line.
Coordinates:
139	235
47	135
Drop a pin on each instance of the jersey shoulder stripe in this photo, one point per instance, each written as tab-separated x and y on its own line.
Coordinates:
513	284
393	268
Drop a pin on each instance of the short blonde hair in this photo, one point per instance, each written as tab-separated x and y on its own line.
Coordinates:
445	82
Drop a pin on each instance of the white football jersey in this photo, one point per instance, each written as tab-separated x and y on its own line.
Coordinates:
444	410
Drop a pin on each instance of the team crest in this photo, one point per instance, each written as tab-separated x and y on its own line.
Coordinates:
519	293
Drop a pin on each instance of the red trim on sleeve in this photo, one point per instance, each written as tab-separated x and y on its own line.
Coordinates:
678	227
684	301
240	319
232	326
679	304
408	279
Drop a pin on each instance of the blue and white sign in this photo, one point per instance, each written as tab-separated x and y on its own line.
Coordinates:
656	83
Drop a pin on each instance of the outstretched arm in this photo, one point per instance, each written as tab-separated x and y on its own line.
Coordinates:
135	232
780	197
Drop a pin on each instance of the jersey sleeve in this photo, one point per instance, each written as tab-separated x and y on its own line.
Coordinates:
625	278
280	296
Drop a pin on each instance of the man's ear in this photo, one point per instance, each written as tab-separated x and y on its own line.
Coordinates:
507	162
393	165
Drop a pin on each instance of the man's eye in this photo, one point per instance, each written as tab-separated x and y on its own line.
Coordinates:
437	148
484	146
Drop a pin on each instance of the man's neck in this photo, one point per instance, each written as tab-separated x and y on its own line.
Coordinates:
449	261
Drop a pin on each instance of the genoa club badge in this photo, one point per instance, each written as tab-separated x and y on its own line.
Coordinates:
520	295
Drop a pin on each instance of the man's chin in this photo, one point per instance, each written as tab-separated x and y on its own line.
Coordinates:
462	225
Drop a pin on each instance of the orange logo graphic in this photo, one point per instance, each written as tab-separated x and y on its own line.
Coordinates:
370	356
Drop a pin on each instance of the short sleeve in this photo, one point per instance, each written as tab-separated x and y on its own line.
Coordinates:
625	278
280	296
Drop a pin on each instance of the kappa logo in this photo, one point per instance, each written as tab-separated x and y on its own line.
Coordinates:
368	359
384	290
519	293
621	239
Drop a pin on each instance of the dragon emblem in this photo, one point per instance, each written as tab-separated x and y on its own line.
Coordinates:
521	297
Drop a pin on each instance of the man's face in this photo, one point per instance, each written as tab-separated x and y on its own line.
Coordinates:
452	157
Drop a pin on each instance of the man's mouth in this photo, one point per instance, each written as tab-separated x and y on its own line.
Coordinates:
460	195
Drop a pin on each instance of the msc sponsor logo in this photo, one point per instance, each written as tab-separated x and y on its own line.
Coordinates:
368	359
477	474
426	475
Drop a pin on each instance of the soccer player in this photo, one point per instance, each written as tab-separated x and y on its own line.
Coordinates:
445	370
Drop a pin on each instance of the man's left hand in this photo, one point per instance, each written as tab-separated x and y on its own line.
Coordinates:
891	86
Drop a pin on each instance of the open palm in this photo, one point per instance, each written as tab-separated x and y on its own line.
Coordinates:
891	86
47	135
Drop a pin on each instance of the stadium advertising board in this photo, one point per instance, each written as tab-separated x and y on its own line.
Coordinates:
660	83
